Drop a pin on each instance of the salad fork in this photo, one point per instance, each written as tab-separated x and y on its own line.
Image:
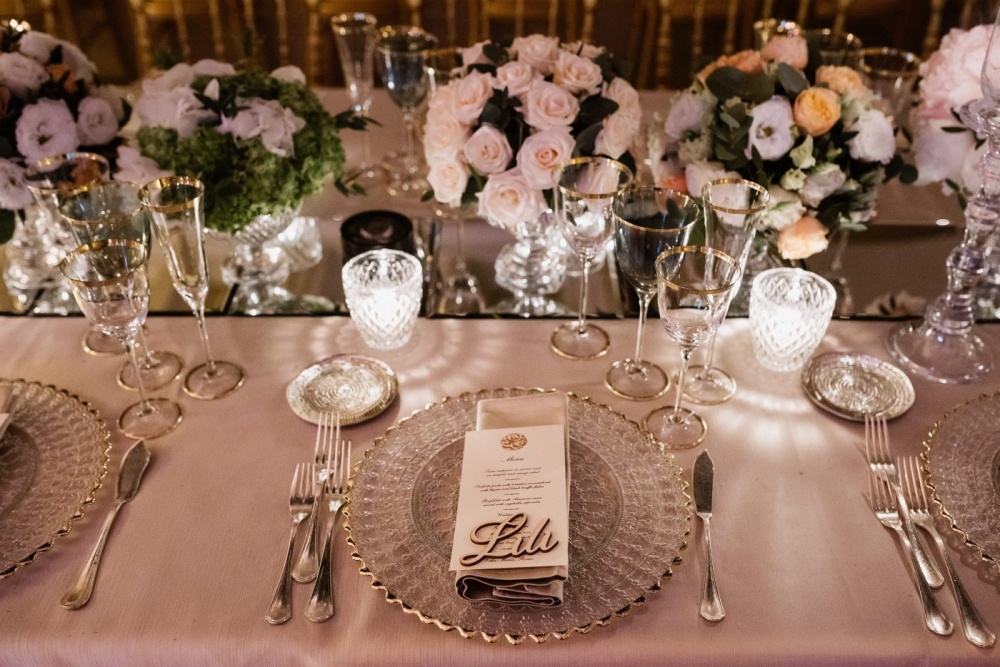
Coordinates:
885	509
320	605
300	501
973	625
307	564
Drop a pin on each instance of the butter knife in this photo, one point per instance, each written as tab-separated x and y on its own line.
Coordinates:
704	473
133	465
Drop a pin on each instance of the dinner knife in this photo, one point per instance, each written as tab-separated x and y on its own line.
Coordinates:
704	473
133	465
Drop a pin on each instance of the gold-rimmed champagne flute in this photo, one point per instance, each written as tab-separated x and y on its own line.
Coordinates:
177	206
733	210
112	210
694	287
585	188
648	221
354	33
401	51
109	282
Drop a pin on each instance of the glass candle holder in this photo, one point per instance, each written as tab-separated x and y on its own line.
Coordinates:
383	290
789	312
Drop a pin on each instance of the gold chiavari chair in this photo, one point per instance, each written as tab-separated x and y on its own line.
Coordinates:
700	18
500	18
627	29
43	13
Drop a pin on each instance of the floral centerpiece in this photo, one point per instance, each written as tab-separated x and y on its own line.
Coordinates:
813	135
260	142
50	103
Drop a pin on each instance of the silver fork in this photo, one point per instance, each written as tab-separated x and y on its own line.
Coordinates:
300	501
307	564
973	625
881	463
320	605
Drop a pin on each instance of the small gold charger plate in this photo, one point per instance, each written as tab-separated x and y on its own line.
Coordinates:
853	385
356	386
629	520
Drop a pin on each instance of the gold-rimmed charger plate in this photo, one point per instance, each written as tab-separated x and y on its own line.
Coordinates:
52	459
629	519
354	385
852	385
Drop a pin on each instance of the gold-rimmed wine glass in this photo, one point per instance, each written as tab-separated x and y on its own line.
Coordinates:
109	282
354	34
585	188
177	206
694	287
648	221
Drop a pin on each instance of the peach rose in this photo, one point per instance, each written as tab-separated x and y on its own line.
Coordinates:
802	239
790	49
676	182
57	71
841	79
748	61
816	110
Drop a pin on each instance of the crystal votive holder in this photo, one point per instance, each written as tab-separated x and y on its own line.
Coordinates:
789	312
383	290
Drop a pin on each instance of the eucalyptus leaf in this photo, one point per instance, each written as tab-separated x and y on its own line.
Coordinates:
760	87
792	80
726	82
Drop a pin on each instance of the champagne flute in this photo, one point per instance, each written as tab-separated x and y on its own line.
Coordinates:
177	204
113	211
585	187
109	282
647	222
694	285
402	50
733	210
354	33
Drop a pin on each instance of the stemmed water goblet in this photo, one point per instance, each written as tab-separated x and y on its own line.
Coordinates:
402	50
733	210
354	33
694	285
112	210
109	282
585	188
647	222
177	205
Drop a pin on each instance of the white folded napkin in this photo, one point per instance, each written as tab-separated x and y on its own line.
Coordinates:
533	586
6	393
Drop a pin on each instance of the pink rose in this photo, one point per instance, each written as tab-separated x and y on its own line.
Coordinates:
576	74
951	76
444	136
617	134
487	151
802	239
621	91
548	105
471	93
538	51
541	153
790	49
473	55
508	200
517	77
448	178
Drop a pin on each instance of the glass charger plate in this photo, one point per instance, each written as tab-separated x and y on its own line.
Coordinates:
52	460
854	385
356	386
629	518
962	453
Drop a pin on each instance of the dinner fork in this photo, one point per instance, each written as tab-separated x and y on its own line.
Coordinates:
320	605
880	462
307	564
886	511
300	501
973	625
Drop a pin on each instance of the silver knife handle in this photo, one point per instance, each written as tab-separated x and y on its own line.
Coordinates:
79	593
711	601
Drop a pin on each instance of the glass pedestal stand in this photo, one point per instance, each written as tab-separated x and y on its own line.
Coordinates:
532	268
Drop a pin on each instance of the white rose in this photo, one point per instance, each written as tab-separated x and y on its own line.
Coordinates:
209	67
179	75
133	167
617	134
274	124
45	128
689	113
444	136
874	141
509	200
939	155
14	194
547	105
289	74
783	208
21	74
448	178
821	183
697	174
112	96
96	123
517	77
576	74
541	153
473	55
471	93
771	128
487	151
39	45
621	91
177	109
538	51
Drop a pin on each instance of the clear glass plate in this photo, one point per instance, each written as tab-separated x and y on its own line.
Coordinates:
629	519
962	454
52	460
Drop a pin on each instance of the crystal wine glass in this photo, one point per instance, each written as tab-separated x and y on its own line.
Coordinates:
113	211
109	282
585	188
177	206
733	209
401	53
647	222
354	33
695	285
